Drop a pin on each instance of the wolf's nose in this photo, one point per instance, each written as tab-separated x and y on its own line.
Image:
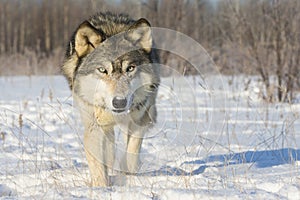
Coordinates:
119	102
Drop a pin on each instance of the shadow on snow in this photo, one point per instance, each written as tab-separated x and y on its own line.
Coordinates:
261	159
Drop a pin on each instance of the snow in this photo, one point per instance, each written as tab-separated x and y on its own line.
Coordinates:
215	139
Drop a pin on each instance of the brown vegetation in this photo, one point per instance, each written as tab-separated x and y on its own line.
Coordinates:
250	37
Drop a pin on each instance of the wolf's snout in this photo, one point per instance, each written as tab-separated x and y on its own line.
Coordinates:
119	102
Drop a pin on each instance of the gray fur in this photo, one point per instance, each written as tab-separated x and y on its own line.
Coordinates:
111	56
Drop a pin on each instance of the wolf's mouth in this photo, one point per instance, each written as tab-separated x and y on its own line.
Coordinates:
119	110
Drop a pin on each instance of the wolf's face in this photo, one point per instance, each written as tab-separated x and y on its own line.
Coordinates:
117	73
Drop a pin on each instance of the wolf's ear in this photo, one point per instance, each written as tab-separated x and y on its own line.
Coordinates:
140	33
87	38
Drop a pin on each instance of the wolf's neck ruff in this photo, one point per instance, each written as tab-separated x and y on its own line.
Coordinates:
103	117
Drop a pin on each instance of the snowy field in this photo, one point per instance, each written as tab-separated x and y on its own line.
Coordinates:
215	139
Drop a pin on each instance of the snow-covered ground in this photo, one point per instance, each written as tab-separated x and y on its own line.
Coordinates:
215	139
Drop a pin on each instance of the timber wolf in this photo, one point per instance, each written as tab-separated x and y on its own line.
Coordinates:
111	67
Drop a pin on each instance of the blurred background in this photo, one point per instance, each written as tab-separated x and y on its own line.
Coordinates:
252	37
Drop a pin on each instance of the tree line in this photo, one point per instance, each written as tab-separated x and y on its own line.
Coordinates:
250	37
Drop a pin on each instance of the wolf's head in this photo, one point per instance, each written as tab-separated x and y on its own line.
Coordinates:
110	64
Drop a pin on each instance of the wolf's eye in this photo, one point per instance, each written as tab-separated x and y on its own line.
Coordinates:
102	70
130	68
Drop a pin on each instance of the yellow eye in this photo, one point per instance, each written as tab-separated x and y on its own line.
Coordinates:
130	68
102	70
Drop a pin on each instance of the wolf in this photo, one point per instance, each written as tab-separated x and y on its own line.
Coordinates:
111	65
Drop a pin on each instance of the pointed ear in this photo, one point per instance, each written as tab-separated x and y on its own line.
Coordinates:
87	38
140	33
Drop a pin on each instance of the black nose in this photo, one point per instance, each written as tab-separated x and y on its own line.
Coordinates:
119	102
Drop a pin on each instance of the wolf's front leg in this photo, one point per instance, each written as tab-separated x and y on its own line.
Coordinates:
136	131
134	143
99	149
133	150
